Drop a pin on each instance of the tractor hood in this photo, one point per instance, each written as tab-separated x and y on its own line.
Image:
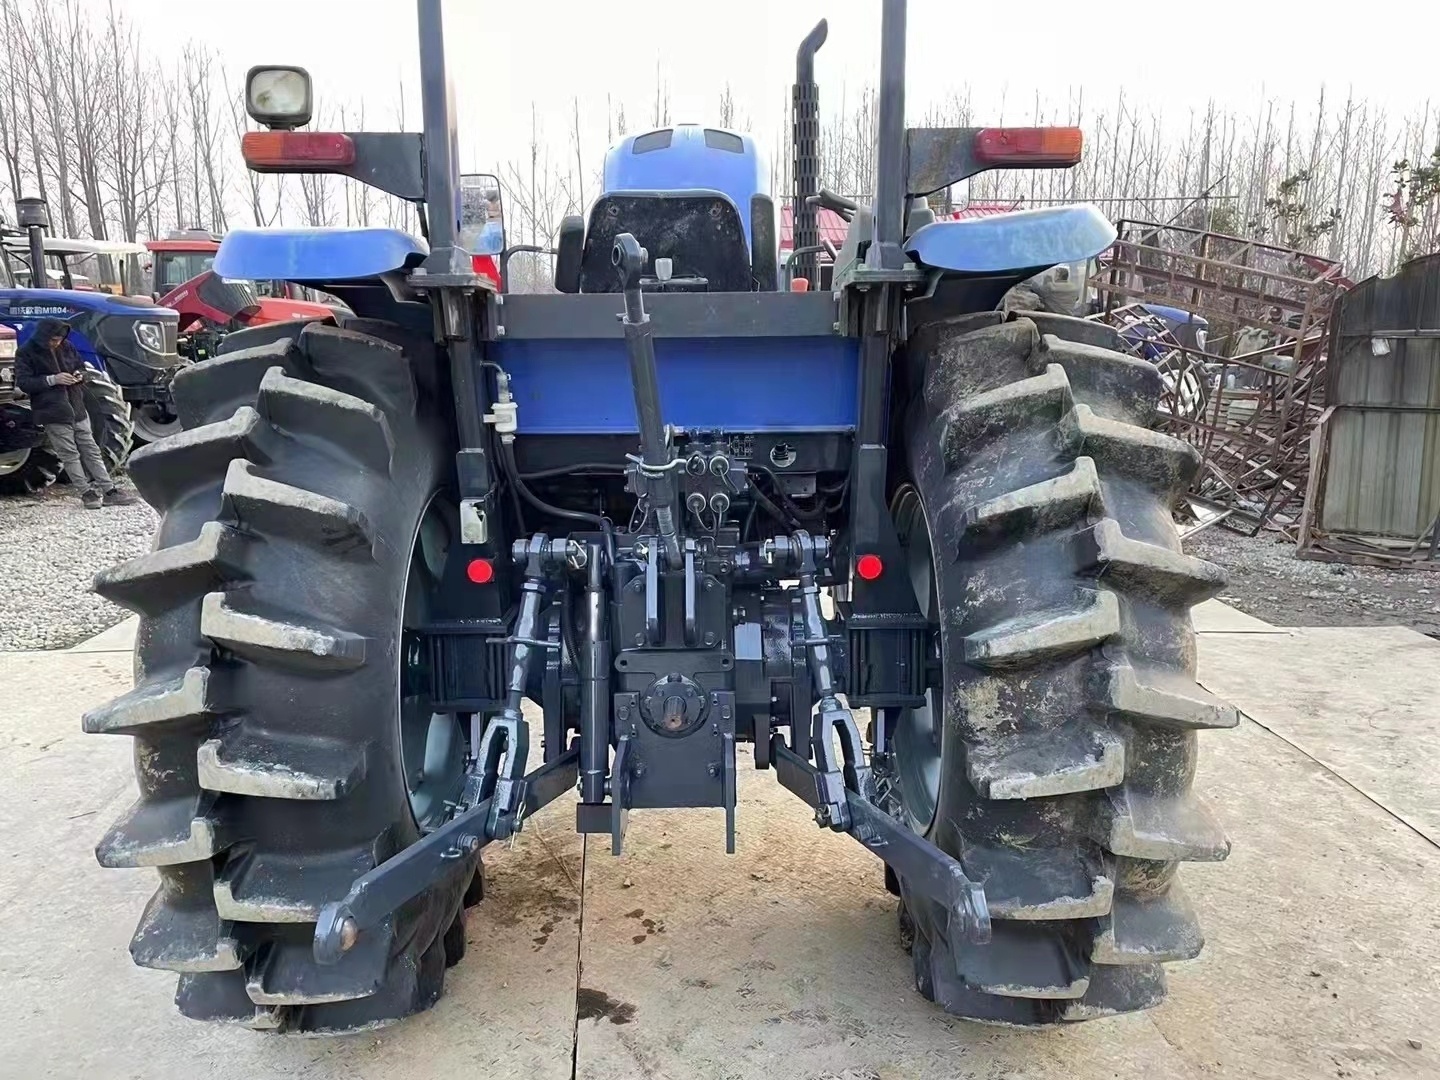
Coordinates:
72	300
230	304
130	337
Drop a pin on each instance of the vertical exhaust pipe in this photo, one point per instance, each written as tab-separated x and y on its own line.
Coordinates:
805	135
32	215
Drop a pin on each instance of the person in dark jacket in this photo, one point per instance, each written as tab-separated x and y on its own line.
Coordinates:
51	373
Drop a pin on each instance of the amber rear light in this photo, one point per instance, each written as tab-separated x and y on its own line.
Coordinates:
1028	148
297	149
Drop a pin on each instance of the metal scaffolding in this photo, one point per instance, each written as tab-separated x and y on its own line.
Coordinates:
1248	392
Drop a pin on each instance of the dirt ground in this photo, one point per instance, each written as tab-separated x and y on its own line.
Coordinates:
1269	582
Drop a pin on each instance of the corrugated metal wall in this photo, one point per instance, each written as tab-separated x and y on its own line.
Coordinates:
1382	473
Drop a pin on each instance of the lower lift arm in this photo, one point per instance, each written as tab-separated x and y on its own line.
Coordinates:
839	787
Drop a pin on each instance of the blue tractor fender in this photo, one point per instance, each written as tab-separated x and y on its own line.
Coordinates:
316	254
1022	242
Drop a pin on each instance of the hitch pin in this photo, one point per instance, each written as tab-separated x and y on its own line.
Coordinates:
514	837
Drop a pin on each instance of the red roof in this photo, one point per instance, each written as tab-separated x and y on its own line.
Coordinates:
207	246
832	226
983	209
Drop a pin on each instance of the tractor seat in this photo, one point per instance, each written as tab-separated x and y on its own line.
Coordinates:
699	231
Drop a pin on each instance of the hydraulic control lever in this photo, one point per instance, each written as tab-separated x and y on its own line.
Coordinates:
655	477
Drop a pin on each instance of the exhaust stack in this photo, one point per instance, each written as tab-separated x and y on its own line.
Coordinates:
805	134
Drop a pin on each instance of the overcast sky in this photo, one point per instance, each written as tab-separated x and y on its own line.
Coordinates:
1175	56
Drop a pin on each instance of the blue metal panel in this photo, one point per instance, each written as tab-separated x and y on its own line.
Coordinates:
1024	240
580	387
315	254
689	164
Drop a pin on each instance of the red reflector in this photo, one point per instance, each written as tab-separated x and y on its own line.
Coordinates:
281	149
869	567
1019	148
480	571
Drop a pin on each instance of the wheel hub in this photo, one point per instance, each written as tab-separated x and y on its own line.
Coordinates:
918	732
152	425
433	745
13	462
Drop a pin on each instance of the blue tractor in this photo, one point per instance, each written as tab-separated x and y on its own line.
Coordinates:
421	573
127	343
1175	341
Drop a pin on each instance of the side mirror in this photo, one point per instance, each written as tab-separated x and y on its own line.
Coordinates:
482	214
278	96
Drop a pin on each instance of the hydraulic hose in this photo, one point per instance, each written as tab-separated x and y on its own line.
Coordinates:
507	460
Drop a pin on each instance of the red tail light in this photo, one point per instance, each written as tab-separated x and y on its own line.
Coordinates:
1028	148
869	567
297	149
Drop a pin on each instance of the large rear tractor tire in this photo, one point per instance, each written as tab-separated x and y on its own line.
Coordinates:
109	420
296	544
1055	759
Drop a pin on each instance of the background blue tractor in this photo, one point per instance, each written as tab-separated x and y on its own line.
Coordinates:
128	343
381	539
1175	341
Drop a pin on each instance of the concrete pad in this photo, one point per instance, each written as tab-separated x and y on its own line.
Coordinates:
1321	933
1213	617
1362	700
781	961
79	1007
784	961
119	638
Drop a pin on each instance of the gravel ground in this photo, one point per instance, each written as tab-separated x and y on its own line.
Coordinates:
50	549
1267	581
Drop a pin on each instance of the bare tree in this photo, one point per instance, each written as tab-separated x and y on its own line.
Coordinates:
122	145
578	186
88	91
14	100
263	191
538	196
43	53
399	214
206	155
661	115
133	182
360	198
317	189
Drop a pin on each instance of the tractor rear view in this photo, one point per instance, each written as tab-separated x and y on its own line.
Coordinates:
622	503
